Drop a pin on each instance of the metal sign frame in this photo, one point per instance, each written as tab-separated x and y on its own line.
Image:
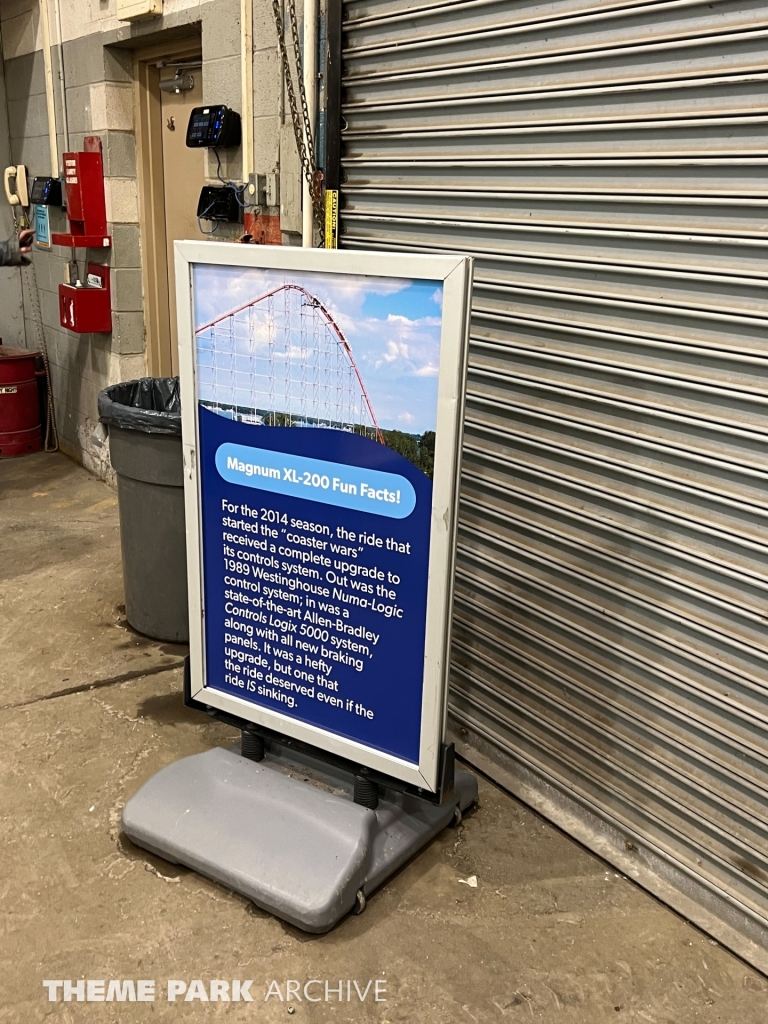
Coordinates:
455	275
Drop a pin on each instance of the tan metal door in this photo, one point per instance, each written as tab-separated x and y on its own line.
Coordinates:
183	177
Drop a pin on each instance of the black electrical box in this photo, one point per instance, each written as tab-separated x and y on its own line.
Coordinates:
219	202
45	192
213	126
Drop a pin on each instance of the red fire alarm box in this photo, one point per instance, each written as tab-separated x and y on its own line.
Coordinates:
86	205
87	309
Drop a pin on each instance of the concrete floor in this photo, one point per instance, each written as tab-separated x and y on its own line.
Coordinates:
90	710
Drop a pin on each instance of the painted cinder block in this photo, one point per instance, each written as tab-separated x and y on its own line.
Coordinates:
34	153
49	307
128	333
221	82
119	152
25	76
111	106
127	293
28	117
118	64
79	109
122	200
132	367
22	34
84	60
126	246
97	359
221	29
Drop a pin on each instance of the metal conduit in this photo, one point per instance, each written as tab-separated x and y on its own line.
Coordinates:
707	757
672	687
657	199
653	575
654	84
606	526
570	19
587	14
686	517
644	45
576	228
753	824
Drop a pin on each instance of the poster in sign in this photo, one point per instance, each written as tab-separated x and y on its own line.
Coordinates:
322	404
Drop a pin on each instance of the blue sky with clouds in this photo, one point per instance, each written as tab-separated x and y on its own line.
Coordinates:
392	325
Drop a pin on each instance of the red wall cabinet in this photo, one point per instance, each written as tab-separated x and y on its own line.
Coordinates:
87	310
86	204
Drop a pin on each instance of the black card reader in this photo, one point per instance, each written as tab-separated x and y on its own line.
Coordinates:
213	126
45	192
219	202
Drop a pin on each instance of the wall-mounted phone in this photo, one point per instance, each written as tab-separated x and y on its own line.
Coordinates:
15	182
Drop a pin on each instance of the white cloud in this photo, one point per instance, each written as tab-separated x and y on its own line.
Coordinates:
395	350
397	356
437	297
222	289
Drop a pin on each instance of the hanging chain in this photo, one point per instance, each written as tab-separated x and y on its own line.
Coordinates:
294	24
302	127
51	434
295	118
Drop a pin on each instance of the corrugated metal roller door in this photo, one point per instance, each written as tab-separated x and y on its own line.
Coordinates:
606	165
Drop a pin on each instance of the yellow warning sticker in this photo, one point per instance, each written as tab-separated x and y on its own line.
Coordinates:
331	218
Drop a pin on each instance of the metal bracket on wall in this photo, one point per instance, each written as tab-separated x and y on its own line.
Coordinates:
262	190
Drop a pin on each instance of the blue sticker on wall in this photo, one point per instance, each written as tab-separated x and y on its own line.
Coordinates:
42	228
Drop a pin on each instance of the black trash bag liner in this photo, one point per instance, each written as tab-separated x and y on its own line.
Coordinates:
152	405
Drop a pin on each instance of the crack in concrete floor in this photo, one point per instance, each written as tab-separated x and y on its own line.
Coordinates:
97	684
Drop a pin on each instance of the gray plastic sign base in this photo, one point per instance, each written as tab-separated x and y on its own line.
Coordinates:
285	834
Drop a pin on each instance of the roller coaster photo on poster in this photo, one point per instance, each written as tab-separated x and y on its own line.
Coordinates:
326	398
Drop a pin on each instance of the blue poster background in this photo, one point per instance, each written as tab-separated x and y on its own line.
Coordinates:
379	706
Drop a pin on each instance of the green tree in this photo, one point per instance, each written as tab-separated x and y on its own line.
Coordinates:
418	450
426	461
278	419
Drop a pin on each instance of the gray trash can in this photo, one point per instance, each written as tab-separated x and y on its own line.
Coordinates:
144	422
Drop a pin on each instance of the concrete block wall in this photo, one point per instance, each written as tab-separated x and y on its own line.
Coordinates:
99	102
222	82
11	307
98	55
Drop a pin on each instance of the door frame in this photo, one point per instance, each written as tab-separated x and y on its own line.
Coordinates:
151	189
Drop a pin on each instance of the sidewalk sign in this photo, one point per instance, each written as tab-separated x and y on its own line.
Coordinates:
322	406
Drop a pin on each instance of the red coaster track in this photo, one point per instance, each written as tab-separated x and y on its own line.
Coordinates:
264	353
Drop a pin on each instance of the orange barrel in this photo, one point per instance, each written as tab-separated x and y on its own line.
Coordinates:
20	431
